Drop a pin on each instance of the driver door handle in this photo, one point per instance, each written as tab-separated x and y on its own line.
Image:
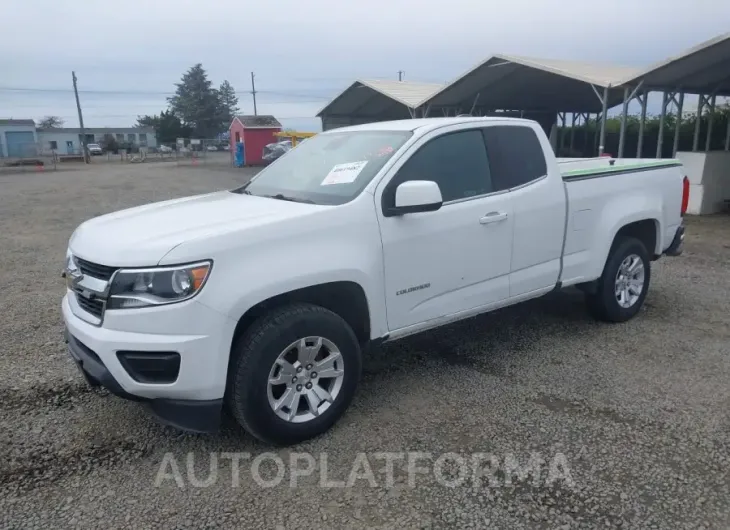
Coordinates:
493	217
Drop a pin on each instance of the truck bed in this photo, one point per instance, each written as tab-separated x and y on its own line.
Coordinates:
579	168
599	190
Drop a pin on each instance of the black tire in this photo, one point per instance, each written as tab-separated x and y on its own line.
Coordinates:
254	355
603	304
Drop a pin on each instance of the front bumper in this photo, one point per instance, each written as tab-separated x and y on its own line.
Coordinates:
188	415
677	246
201	337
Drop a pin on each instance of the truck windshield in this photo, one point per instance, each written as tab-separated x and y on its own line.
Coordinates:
330	168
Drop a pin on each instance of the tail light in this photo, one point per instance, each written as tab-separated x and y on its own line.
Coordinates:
685	194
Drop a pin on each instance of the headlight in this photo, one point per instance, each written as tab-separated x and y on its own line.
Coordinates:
70	268
70	263
134	288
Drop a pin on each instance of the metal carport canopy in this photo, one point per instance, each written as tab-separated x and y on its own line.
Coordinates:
704	69
509	82
379	98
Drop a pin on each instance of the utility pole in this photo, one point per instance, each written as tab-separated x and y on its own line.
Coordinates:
400	75
253	93
81	120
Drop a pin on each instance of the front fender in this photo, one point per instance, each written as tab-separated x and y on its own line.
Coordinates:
340	244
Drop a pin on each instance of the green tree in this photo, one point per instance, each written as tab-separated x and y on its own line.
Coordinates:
167	125
586	142
109	143
228	102
197	103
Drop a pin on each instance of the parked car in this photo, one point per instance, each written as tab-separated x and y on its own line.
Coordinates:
275	150
265	297
165	149
211	148
95	149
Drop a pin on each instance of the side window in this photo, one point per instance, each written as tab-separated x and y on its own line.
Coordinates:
457	162
515	156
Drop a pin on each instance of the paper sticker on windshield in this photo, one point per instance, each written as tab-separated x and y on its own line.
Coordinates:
344	173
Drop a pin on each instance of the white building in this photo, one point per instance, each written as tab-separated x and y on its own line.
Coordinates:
19	138
67	141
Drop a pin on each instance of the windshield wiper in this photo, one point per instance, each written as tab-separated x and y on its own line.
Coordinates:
282	197
242	190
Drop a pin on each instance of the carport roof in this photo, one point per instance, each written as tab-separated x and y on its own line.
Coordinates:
368	96
512	82
704	69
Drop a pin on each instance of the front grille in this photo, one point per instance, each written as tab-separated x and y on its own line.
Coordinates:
94	307
102	272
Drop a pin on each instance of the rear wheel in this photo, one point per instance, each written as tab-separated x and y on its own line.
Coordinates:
294	373
624	283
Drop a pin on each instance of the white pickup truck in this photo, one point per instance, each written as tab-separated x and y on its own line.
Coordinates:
262	299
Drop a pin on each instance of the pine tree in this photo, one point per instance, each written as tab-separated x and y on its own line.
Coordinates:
228	102
197	103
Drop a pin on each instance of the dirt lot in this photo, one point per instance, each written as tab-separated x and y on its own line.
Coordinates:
632	421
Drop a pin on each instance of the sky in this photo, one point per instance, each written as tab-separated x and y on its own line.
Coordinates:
128	56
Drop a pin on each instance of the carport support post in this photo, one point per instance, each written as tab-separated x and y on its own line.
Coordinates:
680	105
624	116
586	119
710	119
660	134
642	121
572	132
604	114
698	121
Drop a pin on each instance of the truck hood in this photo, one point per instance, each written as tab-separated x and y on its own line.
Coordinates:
142	236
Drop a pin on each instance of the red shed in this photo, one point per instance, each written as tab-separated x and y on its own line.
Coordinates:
256	132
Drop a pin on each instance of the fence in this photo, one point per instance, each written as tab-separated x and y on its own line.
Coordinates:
206	151
27	156
191	152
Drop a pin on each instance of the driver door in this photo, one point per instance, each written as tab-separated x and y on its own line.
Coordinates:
456	258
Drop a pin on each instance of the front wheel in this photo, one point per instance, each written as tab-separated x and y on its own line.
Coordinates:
294	373
624	283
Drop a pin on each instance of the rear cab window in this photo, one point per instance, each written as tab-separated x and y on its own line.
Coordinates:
516	156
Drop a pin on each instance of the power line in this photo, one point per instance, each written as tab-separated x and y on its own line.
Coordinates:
88	91
157	106
135	115
155	93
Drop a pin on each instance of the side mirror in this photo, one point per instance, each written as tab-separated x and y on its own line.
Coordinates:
416	196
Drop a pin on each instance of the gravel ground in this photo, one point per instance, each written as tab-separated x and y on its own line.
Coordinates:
630	422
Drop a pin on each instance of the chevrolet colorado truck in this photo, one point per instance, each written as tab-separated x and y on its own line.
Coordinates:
262	299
